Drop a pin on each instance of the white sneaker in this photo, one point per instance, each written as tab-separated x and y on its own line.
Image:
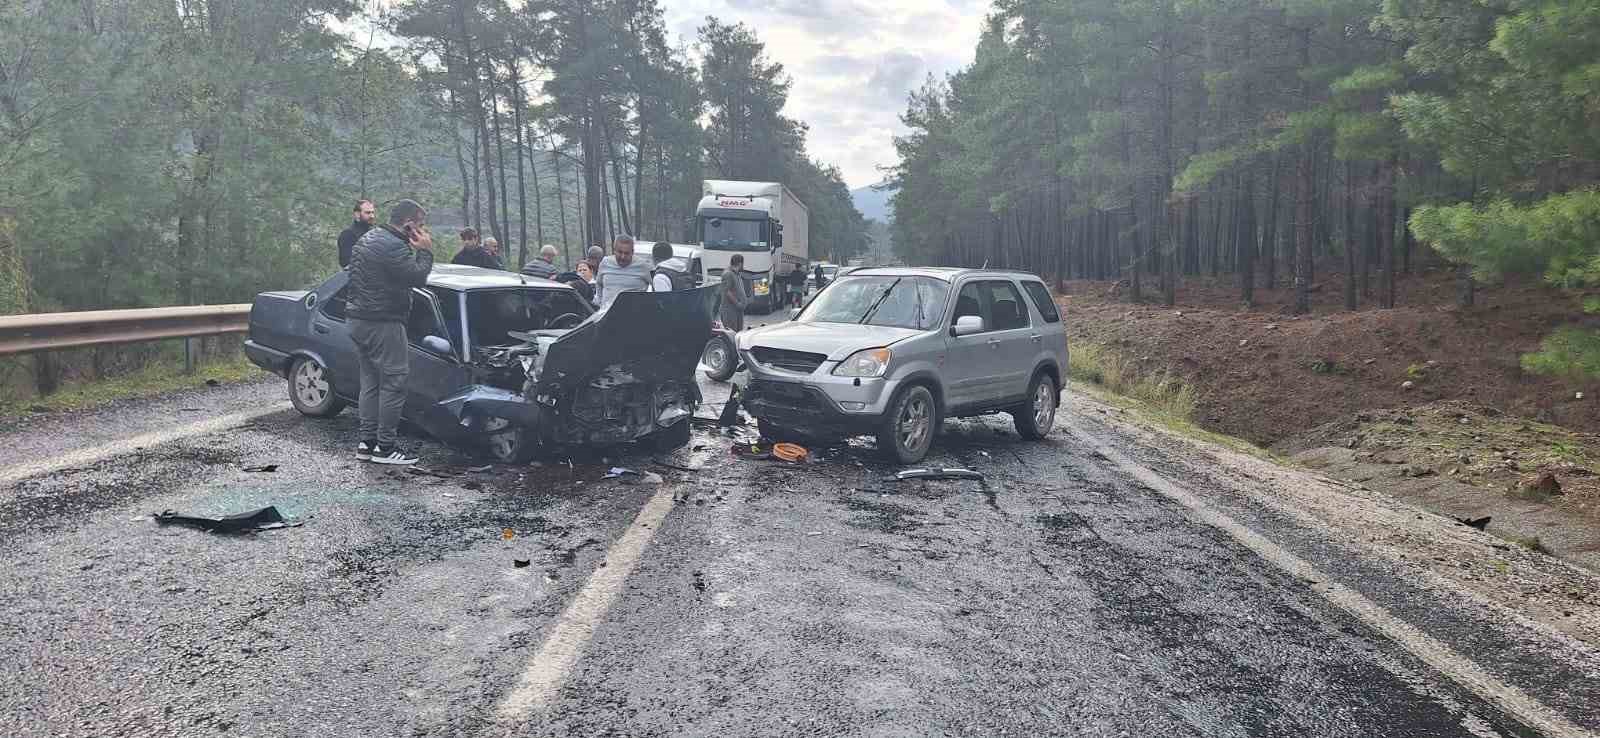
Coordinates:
391	455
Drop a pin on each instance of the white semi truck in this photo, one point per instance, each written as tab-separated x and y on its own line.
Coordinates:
766	223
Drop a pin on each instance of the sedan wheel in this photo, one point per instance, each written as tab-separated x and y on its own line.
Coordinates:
310	390
719	358
508	444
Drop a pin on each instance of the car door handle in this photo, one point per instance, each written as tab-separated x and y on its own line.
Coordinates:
1036	338
994	342
320	328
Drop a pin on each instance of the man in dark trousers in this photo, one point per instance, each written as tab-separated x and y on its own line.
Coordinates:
384	266
733	295
472	252
366	214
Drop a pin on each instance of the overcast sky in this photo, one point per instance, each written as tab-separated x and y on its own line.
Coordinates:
851	63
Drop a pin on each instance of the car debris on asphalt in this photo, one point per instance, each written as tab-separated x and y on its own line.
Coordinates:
262	468
937	473
266	518
1478	523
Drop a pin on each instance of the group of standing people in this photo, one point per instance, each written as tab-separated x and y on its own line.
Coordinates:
387	260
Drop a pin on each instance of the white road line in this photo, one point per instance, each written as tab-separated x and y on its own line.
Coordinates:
1435	653
84	457
573	630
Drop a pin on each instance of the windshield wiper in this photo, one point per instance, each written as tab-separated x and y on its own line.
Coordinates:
879	302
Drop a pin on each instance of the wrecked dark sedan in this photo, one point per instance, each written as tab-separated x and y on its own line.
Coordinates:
502	362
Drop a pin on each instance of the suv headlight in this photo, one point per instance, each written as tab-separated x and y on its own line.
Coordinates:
868	363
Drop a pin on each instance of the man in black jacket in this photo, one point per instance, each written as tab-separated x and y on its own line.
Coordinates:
385	264
472	252
366	213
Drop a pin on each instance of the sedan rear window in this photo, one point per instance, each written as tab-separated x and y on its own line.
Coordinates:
1041	300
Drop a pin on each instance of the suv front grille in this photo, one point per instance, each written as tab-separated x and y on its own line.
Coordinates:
789	361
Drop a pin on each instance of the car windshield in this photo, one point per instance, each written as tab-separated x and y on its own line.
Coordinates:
896	302
729	234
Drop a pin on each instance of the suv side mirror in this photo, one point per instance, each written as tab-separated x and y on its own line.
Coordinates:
967	325
438	345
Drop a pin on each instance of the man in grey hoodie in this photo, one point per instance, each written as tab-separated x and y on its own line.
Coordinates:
384	265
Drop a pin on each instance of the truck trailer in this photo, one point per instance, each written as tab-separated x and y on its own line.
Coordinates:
766	223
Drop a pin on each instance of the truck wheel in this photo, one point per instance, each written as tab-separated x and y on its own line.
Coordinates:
907	430
674	437
1037	416
311	390
720	358
509	444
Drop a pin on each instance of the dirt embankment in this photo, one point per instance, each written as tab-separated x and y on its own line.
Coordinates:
1268	376
1427	400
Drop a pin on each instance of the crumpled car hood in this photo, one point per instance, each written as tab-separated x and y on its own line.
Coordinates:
667	331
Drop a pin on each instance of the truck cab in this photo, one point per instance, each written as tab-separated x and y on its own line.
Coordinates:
764	222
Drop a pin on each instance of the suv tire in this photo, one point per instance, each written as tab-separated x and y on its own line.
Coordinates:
906	432
1037	416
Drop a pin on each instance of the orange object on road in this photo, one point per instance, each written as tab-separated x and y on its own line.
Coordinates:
790	452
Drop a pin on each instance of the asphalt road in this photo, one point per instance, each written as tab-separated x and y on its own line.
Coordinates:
1094	584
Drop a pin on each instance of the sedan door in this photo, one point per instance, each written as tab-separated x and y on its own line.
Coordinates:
330	338
434	376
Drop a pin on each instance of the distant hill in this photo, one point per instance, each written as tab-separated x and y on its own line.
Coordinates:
873	204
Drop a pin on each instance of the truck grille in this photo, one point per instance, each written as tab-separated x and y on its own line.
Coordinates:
789	361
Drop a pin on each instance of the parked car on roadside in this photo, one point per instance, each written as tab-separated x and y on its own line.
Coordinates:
892	352
502	362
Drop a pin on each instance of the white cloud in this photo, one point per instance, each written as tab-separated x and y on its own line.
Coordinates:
852	63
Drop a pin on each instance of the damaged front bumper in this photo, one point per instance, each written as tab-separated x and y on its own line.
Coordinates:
624	374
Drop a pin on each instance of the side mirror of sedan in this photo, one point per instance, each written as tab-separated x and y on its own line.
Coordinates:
967	325
438	345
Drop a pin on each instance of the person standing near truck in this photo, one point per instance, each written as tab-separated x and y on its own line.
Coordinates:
384	266
733	295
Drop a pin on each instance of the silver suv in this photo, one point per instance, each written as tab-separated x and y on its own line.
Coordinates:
893	351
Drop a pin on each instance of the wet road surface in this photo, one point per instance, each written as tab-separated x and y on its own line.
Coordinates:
1062	595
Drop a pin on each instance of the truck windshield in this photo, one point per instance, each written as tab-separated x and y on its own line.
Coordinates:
896	302
729	234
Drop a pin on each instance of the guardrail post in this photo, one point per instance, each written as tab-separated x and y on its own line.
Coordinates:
188	356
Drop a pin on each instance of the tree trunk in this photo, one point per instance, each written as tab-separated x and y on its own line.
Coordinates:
1386	239
1246	240
1269	240
1466	293
616	176
461	163
594	212
1304	193
522	186
1349	236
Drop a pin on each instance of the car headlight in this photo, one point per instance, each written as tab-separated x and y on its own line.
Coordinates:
868	363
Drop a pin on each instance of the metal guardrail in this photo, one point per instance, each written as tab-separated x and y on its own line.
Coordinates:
21	334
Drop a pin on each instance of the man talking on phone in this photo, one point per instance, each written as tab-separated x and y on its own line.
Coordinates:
386	263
